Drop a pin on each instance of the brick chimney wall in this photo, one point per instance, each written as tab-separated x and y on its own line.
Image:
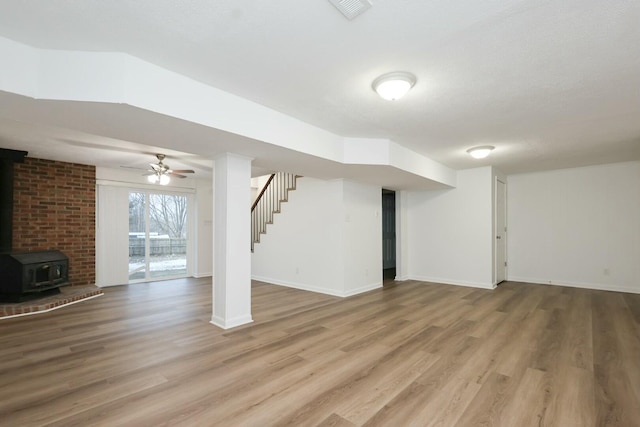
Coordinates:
55	208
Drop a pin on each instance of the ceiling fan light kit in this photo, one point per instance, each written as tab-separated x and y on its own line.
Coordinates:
161	173
395	85
481	151
159	179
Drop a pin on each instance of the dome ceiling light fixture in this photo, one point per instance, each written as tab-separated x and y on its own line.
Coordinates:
395	85
481	151
351	8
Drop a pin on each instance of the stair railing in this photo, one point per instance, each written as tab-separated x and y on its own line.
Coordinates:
268	202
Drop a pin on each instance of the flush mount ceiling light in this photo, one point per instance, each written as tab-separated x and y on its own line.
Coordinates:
392	86
480	152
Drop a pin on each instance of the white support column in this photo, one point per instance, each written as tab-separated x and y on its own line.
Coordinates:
231	241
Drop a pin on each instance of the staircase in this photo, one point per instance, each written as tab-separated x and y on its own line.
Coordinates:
267	204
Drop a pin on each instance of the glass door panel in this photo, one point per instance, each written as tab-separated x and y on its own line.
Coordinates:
167	235
157	236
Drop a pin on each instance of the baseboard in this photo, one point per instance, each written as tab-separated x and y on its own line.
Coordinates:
362	289
201	275
301	286
111	285
402	278
309	288
582	285
453	282
231	323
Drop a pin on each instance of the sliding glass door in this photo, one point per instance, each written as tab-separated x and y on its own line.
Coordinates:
157	236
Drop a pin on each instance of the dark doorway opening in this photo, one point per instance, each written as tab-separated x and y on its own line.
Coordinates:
388	234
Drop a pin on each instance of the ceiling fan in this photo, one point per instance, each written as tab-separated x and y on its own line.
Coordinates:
161	173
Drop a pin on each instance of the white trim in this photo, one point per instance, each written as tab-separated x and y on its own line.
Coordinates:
52	308
192	239
202	275
495	231
300	286
231	323
111	285
438	280
402	278
319	290
581	285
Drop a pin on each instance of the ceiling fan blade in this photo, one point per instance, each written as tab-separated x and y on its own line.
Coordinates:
154	166
182	171
176	175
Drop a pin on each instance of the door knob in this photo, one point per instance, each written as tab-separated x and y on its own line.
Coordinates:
498	237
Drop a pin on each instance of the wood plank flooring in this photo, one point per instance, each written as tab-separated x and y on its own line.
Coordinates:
411	354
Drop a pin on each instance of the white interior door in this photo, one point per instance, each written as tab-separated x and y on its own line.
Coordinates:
501	231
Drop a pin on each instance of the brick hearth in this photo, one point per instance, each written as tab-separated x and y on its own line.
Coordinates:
68	295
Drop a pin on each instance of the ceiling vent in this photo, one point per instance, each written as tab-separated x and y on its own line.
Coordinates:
351	8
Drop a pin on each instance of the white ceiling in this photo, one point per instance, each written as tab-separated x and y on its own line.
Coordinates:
551	84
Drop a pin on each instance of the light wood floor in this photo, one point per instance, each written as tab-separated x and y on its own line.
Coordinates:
409	354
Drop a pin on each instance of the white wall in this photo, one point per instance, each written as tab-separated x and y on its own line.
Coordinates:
576	227
328	238
449	233
362	240
257	184
302	248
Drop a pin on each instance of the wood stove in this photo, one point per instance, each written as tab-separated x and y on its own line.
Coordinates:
32	274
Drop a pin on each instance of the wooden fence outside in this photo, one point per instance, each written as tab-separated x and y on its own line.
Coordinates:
166	246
